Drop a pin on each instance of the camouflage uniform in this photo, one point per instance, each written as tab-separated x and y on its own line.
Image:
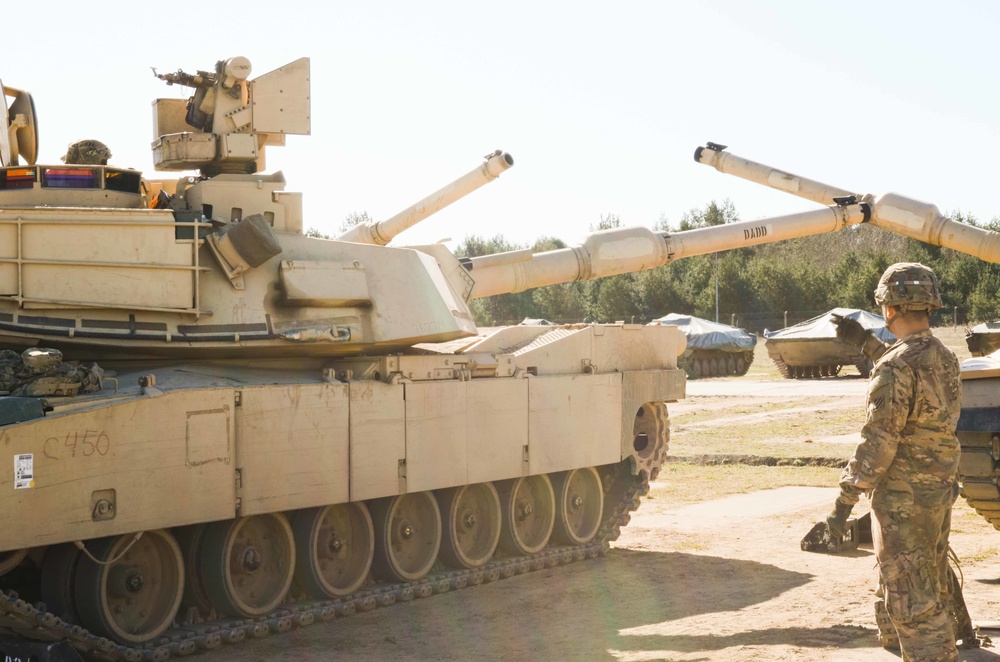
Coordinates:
908	463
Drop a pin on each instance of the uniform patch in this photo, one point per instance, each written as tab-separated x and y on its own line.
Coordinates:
880	395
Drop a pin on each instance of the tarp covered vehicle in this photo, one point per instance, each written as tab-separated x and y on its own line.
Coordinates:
810	349
983	338
713	349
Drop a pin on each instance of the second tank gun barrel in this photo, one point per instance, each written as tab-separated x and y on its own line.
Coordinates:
891	211
715	155
623	250
382	232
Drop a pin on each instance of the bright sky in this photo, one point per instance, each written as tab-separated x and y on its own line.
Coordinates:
601	104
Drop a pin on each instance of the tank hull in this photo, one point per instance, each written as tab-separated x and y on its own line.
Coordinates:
205	446
983	339
813	358
979	434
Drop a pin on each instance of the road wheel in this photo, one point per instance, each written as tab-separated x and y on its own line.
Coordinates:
133	596
334	547
189	539
471	521
407	536
10	560
58	579
528	510
247	564
579	505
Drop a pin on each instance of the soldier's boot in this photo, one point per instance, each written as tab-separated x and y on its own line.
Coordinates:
887	636
965	631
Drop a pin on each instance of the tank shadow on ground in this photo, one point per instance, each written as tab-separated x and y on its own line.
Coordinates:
573	612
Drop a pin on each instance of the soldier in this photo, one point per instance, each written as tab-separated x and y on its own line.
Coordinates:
907	463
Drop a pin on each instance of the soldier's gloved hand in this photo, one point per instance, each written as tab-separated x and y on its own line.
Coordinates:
850	331
836	521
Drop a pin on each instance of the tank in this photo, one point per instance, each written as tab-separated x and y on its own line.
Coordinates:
811	349
983	339
713	349
979	424
218	428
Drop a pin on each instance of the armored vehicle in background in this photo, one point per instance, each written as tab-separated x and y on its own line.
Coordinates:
979	424
983	339
713	349
811	349
220	428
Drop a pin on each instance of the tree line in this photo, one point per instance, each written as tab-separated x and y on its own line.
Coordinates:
758	287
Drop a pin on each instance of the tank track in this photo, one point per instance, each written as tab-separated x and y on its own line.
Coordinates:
22	619
727	365
807	371
988	510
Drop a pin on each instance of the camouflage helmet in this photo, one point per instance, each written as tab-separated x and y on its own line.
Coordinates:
910	286
87	152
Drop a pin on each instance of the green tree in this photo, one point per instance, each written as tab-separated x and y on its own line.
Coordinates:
713	214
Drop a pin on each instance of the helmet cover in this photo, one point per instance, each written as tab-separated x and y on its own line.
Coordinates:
910	286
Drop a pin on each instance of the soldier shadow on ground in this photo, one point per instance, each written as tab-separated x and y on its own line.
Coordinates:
699	585
837	636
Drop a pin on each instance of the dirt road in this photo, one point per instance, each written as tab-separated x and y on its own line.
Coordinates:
722	579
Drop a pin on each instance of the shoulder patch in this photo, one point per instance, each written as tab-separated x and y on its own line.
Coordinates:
880	394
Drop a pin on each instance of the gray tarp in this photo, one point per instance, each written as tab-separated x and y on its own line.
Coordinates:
823	327
702	334
986	327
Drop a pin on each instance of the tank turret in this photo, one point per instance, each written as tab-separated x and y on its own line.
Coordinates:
217	265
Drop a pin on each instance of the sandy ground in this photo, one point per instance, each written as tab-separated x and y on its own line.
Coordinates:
716	580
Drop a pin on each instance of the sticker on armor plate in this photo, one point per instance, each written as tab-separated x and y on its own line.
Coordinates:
24	471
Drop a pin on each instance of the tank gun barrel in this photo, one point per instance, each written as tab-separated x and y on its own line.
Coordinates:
715	155
891	211
623	250
382	232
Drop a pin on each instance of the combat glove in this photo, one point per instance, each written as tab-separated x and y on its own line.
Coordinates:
836	521
851	332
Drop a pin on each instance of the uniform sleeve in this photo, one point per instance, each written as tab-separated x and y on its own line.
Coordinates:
889	402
